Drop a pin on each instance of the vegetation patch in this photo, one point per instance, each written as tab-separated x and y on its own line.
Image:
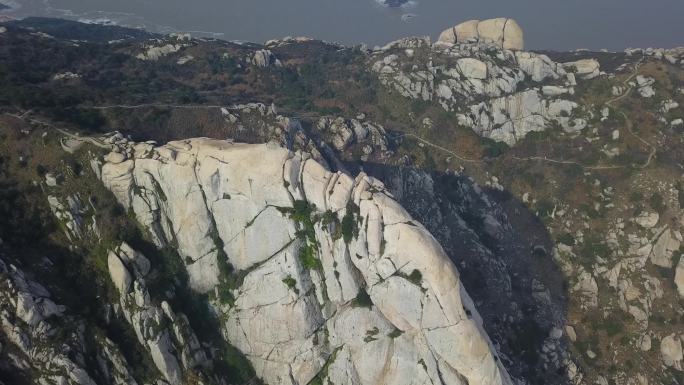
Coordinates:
362	300
566	239
371	335
291	283
395	333
492	148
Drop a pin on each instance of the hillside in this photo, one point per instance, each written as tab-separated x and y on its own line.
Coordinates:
461	211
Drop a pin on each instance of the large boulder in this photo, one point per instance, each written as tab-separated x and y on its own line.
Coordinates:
679	277
501	32
671	350
584	68
663	249
118	272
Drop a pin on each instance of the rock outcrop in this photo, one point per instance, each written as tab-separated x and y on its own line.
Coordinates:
585	68
500	94
50	344
315	274
166	335
501	32
508	119
264	58
679	277
671	351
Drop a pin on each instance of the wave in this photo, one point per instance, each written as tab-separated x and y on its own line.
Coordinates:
12	6
404	4
111	18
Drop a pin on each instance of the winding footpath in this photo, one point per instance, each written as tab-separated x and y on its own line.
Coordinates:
628	121
608	103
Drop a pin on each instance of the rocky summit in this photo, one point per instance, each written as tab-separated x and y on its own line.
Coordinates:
502	32
192	211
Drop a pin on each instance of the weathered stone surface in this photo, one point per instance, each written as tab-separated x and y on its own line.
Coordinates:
154	53
503	33
69	213
30	320
663	249
538	67
264	58
647	220
509	119
458	74
118	272
472	68
168	337
584	68
671	351
679	277
213	193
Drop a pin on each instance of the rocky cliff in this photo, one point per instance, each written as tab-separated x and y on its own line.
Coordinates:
335	277
551	180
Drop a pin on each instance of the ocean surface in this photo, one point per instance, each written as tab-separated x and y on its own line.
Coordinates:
548	24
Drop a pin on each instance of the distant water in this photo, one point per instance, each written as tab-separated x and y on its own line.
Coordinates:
548	24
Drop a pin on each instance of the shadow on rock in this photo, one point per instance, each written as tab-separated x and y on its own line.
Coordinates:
505	257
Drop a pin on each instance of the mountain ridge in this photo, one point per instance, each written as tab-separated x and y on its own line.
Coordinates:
565	225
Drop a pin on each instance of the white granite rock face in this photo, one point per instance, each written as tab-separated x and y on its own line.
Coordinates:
508	119
465	72
30	320
585	68
154	53
679	277
501	32
264	58
167	336
501	94
663	249
309	244
69	213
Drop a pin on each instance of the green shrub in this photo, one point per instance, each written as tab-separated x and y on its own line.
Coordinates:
539	135
329	217
301	211
41	170
544	208
636	197
291	283
594	247
613	326
307	255
492	148
656	201
566	239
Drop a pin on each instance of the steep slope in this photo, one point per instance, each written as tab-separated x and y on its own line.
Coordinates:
314	274
551	180
33	326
